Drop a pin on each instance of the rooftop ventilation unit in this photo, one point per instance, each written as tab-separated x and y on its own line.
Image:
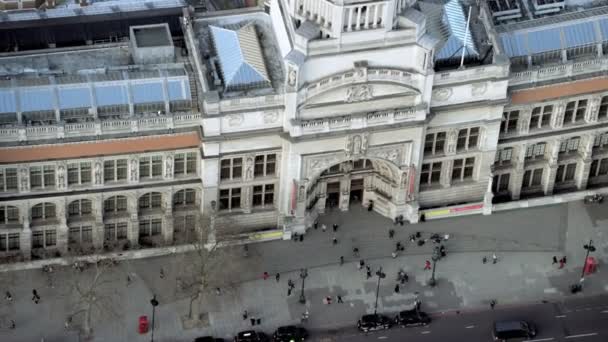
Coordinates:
542	7
505	9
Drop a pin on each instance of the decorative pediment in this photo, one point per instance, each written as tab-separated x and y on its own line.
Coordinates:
360	92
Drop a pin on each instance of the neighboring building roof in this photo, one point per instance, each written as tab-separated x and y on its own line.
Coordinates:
99	148
240	56
559	90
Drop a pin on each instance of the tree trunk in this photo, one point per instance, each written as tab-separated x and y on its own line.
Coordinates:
195	310
86	325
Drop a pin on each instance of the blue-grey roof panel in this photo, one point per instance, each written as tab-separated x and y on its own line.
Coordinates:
35	99
108	95
456	20
514	44
74	97
7	101
178	90
580	34
604	29
147	92
544	41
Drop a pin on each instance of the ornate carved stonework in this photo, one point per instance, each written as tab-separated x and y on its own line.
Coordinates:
61	176
356	145
478	89
235	120
361	92
559	115
524	121
389	154
249	167
169	166
452	140
442	94
292	77
591	115
134	166
271	117
98	171
25	177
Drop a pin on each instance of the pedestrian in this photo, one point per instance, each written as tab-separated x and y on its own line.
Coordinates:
391	233
335	227
245	315
405	277
328	299
316	225
68	323
554	260
427	265
265	275
128	280
35	297
442	251
397	288
341	260
394	255
492	304
323	227
494	258
334	241
288	291
218	291
360	264
252	320
484	260
561	263
369	272
399	247
290	284
277	277
340	299
13	326
162	274
412	238
356	251
8	296
565	260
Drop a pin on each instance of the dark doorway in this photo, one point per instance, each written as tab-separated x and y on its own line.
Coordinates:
333	195
356	190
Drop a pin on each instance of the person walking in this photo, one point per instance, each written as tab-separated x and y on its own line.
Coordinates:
323	227
494	258
13	325
442	251
356	252
564	259
561	263
554	260
68	323
368	272
335	227
128	280
245	315
492	304
35	296
265	275
290	284
334	241
218	291
252	320
391	233
8	296
396	288
162	273
277	277
427	265
341	260
340	299
316	225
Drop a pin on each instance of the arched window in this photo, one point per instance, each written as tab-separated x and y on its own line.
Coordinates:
184	198
81	207
151	200
115	204
43	211
9	214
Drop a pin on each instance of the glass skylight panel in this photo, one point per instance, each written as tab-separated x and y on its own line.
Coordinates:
7	101
108	95
147	92
74	97
36	99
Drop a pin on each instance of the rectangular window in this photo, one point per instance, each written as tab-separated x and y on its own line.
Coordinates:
509	121
8	179
44	238
230	198
565	173
150	167
150	227
467	138
570	145
115	231
79	173
157	166
503	156
430	173
463	169
532	178
601	140
263	195
115	170
9	214
541	117
36	177
575	111
265	165
144	167
536	151
231	168
184	224
500	183
13	242
603	112
42	177
434	143
185	164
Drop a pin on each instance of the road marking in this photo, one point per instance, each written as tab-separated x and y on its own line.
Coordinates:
560	316
382	337
425	332
581	335
543	339
605	311
550	290
469	327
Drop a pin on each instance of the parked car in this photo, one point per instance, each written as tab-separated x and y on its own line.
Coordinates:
251	336
374	322
290	333
514	330
412	318
208	339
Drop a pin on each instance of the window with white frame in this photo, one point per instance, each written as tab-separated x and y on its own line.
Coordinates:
44	211
185	164
79	173
184	224
9	214
601	141
151	200
532	178
509	121
184	198
115	231
230	198
467	138
575	111
430	174
434	143
80	207
503	156
150	167
462	169
541	117
570	145
265	165
500	183
43	238
599	167
8	180
42	177
115	204
150	227
536	151
9	242
603	111
80	234
115	170
263	195
231	168
565	173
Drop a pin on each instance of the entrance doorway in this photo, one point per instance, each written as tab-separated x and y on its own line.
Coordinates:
333	195
356	190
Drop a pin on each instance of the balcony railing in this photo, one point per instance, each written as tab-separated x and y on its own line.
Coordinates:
559	71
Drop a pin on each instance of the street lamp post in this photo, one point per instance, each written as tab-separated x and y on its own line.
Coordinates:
380	275
303	275
590	248
154	303
435	257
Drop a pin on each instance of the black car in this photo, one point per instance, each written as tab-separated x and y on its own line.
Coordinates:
208	339
412	318
290	333
251	336
374	322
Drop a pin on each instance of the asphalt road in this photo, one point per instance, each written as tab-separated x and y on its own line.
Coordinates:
584	320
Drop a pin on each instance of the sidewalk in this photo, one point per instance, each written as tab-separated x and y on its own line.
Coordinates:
524	273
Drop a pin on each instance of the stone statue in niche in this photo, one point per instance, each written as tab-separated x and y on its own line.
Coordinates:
301	193
24	179
133	170
358	93
249	168
169	166
292	77
403	183
98	173
357	145
593	110
61	176
559	117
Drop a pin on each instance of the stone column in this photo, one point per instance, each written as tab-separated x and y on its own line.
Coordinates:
62	228
523	124
488	196
358	22
322	201
446	173
350	19
25	236
584	165
593	109
98	233
134	170
557	121
345	192
133	230
169	166
517	176
167	230
368	190
246	197
367	17
452	140
375	23
551	168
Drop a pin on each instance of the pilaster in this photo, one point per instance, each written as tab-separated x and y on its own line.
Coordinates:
246	194
517	176
551	169
446	173
169	166
584	165
557	121
592	111
25	237
98	233
322	201
167	229
133	230
523	124
62	228
345	192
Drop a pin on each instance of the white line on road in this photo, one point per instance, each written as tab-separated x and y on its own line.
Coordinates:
605	311
425	332
543	339
560	316
581	335
469	327
382	337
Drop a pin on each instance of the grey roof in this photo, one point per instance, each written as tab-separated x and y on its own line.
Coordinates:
240	56
106	93
558	36
296	57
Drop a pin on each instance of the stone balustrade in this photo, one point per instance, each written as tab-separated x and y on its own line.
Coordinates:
250	103
558	71
471	74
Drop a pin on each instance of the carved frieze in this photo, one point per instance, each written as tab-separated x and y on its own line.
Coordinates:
24	178
356	145
249	167
61	176
235	120
360	92
478	89
442	94
271	117
592	112
98	172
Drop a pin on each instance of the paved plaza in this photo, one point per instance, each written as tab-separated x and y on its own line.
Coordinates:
523	240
